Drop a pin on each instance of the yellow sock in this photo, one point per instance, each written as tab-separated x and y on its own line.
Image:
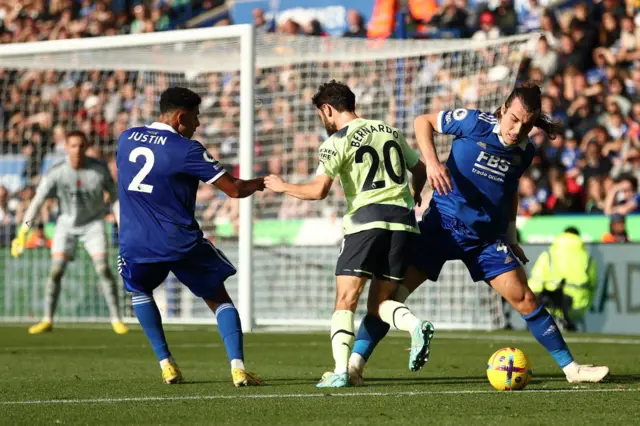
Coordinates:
342	338
397	315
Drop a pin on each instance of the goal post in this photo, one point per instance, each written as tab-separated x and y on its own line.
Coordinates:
257	118
182	56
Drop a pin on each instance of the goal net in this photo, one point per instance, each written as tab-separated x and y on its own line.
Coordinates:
102	86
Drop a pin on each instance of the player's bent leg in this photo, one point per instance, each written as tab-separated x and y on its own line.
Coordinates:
372	329
52	293
108	285
230	330
512	285
399	316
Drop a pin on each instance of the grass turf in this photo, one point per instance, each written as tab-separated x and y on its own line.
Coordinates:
92	376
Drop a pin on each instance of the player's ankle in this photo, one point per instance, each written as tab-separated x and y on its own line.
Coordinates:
357	361
166	361
571	368
237	363
47	319
340	370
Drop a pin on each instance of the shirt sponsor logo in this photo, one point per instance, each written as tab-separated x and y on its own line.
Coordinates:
459	114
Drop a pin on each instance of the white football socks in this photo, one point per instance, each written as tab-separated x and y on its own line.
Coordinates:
237	363
342	338
397	315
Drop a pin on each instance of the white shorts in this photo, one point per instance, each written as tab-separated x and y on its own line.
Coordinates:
92	236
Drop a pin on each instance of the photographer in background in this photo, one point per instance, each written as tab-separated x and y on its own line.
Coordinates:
565	278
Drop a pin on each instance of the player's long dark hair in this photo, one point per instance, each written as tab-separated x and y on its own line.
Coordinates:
530	95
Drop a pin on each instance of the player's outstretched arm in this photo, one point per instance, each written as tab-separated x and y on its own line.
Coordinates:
239	188
45	188
437	173
317	189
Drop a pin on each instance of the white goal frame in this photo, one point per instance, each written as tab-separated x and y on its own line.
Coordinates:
246	65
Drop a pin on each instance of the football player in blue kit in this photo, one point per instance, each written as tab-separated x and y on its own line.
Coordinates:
159	170
472	216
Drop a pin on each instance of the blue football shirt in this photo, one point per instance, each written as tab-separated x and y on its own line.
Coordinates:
158	176
484	172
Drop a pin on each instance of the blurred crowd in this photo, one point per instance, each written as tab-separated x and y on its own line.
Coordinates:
588	60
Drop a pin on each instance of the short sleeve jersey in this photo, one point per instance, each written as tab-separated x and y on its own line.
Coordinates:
484	172
158	176
372	161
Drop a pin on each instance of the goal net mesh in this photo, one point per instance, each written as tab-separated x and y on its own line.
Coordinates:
104	91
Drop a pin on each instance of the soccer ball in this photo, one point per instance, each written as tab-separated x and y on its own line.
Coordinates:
509	369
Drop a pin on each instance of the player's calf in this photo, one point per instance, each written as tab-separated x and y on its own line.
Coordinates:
146	310
230	330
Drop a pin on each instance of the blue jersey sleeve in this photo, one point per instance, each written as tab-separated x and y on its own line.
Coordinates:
462	122
199	163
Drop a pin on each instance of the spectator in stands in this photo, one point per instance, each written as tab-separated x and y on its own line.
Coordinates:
531	200
260	23
6	217
506	17
355	25
545	58
593	163
37	238
561	200
595	196
488	29
623	198
617	230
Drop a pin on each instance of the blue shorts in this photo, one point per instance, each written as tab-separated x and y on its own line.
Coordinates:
443	239
203	271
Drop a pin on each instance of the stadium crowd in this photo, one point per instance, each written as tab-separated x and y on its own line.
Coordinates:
588	59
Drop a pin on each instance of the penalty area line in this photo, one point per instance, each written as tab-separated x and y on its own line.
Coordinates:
303	395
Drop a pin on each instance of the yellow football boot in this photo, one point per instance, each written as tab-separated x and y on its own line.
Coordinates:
245	378
119	327
41	327
171	373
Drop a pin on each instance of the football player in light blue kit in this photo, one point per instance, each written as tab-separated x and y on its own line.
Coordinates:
472	216
159	170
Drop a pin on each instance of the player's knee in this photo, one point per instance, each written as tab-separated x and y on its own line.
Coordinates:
526	303
102	268
347	299
57	269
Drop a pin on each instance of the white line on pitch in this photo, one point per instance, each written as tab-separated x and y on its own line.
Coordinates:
303	395
505	338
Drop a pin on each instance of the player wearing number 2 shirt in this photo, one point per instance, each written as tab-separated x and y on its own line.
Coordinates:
371	159
159	170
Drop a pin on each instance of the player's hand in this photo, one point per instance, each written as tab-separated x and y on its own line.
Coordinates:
417	199
517	250
439	178
274	183
18	243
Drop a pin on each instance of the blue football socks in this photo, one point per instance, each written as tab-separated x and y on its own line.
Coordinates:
230	330
546	331
371	331
149	317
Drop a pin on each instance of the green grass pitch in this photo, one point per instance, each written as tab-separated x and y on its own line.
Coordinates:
92	376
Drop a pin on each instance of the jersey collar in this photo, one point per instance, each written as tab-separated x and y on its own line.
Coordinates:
522	144
161	126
